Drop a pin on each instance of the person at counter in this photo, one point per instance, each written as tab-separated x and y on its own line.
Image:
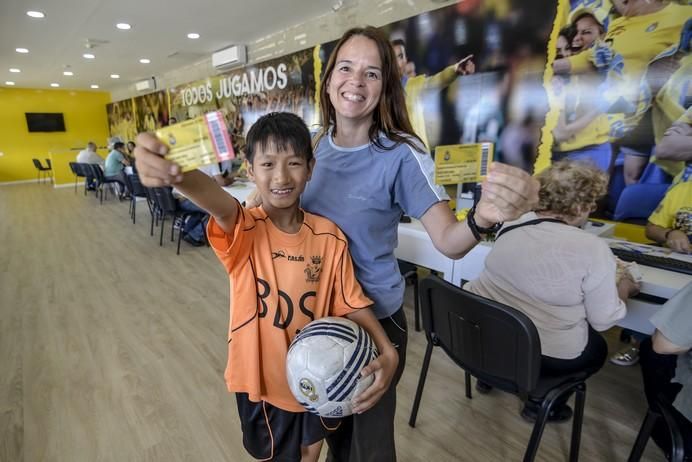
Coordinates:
562	277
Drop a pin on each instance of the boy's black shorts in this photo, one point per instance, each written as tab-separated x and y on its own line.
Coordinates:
270	433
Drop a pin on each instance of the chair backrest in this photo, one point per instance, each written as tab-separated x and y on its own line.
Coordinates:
492	341
50	166
164	200
74	168
136	186
37	164
96	171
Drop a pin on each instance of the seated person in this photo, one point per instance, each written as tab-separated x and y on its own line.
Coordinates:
562	277
89	156
193	230
115	163
666	361
671	222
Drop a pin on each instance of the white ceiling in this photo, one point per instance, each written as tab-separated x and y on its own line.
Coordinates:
159	33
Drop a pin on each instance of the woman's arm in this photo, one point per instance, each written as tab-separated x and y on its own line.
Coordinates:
508	193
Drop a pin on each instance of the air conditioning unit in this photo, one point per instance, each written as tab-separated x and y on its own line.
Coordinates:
227	58
146	85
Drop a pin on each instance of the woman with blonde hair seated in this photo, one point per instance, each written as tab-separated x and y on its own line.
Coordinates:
562	277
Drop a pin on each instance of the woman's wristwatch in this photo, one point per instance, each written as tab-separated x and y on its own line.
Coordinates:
478	230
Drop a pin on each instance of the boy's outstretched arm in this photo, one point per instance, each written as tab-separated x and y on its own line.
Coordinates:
155	171
384	366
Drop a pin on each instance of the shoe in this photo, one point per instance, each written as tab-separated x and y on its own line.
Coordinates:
559	413
626	357
192	241
483	388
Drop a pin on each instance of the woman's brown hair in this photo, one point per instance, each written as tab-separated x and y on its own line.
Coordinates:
390	115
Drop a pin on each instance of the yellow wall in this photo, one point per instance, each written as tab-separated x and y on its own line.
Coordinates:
85	120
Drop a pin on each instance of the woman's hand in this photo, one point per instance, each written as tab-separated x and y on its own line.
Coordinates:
153	169
383	367
508	193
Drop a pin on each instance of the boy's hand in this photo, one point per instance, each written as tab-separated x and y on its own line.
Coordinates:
154	170
384	367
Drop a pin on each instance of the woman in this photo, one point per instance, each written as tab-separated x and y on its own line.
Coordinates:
370	169
563	278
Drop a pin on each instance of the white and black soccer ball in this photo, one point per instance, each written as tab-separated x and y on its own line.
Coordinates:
324	363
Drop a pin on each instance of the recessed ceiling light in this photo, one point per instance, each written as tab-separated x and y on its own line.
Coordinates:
21	50
193	35
9	83
55	85
15	70
94	86
145	61
123	26
68	73
115	76
88	56
36	14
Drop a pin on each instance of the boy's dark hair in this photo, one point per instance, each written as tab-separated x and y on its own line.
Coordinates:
282	130
118	145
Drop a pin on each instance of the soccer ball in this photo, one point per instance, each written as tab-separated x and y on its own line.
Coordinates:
324	362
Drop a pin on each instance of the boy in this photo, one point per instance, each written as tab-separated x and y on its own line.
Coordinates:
286	267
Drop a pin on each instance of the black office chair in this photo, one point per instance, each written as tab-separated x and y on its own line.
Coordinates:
101	180
500	346
41	171
409	272
660	409
137	189
167	205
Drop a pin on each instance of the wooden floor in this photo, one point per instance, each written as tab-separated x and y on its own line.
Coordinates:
113	349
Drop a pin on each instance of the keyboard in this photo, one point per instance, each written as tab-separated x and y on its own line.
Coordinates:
670	264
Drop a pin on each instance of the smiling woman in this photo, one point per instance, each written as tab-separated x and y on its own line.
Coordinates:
371	168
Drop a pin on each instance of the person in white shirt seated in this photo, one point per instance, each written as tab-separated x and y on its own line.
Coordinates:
89	156
562	277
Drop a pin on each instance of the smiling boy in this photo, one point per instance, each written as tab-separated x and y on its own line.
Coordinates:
286	267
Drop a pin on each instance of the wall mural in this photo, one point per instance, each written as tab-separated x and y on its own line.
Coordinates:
597	80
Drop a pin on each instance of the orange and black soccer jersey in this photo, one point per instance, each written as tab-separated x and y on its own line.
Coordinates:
279	283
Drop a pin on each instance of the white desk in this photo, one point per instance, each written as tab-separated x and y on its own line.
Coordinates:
416	247
240	189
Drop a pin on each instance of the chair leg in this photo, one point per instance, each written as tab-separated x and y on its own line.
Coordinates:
537	431
677	445
173	227
163	220
180	235
643	436
101	191
416	304
421	384
151	228
467	380
579	399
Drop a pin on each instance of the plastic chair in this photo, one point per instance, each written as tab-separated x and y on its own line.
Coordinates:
500	346
409	272
661	409
41	171
167	205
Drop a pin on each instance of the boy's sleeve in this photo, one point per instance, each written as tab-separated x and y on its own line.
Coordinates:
348	294
235	247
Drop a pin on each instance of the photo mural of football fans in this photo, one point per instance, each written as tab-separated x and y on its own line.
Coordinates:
121	120
152	111
643	32
473	70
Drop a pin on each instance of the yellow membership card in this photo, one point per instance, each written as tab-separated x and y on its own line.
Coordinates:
462	163
196	142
